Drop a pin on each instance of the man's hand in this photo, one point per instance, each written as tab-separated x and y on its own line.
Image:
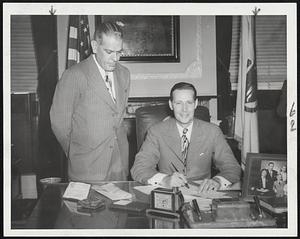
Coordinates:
209	185
174	180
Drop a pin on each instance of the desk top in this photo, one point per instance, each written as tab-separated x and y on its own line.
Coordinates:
53	212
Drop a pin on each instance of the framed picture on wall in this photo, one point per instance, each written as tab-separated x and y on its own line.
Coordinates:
148	38
265	176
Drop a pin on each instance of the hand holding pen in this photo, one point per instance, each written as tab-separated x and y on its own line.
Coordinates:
180	176
174	180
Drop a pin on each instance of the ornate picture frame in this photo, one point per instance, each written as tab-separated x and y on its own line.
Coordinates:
257	167
148	38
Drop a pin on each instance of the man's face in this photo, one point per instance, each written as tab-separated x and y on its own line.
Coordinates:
271	166
183	105
108	53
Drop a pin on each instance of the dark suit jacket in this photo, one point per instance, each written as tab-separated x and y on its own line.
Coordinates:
89	125
162	146
271	179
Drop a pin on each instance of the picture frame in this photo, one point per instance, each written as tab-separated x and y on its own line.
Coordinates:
252	183
148	38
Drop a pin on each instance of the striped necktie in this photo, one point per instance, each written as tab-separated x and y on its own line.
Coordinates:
184	147
109	87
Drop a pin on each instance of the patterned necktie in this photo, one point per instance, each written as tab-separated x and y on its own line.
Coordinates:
109	88
184	147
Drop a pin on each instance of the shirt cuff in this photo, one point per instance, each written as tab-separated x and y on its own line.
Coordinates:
223	181
156	179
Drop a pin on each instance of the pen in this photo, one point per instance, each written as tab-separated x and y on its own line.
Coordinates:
186	184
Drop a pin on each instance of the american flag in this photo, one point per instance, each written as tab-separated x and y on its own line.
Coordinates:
246	125
79	44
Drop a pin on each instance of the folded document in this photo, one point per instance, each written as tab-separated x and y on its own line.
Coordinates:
77	191
112	191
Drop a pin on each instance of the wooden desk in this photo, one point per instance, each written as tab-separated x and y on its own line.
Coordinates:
51	212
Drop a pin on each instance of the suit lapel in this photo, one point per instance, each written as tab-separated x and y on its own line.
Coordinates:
97	83
197	139
119	88
172	138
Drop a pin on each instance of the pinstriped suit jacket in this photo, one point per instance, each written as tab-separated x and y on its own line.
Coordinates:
89	125
163	146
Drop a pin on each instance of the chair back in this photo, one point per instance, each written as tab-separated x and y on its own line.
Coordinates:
149	115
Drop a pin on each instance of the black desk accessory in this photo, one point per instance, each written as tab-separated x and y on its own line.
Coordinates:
165	202
227	213
196	208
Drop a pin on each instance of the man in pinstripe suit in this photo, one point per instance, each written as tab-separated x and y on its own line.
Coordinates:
88	109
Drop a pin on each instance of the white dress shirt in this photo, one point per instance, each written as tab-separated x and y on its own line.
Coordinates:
157	178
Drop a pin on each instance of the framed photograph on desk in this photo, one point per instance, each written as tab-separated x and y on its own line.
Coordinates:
265	176
147	38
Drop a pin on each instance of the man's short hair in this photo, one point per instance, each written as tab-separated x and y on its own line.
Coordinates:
271	163
107	28
183	86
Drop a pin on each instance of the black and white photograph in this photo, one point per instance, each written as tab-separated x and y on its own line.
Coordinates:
265	176
149	119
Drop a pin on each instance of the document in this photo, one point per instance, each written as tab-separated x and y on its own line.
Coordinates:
235	186
77	191
112	191
123	202
193	191
145	189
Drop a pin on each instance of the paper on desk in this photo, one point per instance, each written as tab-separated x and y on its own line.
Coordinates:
145	189
193	191
77	190
235	186
112	191
123	202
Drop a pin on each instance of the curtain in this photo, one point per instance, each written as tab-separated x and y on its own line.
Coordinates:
223	38
45	42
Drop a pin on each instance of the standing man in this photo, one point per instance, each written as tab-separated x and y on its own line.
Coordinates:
271	175
184	148
88	109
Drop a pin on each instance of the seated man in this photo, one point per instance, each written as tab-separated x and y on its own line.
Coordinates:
184	148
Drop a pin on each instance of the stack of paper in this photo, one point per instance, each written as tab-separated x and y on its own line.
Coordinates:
77	191
112	191
193	191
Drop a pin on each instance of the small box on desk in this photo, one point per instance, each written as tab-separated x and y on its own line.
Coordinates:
230	210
